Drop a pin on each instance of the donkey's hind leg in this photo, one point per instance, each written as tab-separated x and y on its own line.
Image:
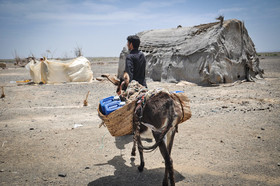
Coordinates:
137	139
140	149
170	139
168	165
134	145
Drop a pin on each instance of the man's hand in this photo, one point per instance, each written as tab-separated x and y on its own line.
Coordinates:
120	88
126	78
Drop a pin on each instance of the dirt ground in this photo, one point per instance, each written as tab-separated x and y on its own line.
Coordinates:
231	139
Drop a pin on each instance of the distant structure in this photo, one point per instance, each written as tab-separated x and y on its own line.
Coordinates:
219	52
221	19
56	71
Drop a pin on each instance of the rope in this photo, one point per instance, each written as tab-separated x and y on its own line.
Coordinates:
102	141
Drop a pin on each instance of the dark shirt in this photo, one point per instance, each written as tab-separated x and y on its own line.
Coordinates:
135	66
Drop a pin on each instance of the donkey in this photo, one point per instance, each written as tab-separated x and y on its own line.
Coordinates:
158	114
161	112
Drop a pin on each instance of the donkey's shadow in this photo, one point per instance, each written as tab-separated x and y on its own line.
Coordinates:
126	175
129	175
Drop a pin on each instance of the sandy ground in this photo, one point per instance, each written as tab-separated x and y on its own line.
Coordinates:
231	139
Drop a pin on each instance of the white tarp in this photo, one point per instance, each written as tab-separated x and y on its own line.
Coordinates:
48	71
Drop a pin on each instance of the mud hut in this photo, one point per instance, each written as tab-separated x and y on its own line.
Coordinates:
219	52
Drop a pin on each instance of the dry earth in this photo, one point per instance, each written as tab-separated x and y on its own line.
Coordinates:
231	139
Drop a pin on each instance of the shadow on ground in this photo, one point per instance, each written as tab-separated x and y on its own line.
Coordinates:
126	175
129	175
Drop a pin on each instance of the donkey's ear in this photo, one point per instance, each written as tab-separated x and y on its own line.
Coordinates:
112	79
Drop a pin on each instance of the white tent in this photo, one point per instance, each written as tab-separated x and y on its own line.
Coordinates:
47	71
220	52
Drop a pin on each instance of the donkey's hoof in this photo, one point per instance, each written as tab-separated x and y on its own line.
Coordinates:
133	153
140	169
165	182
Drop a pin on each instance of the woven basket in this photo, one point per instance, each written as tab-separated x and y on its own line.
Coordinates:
119	122
184	102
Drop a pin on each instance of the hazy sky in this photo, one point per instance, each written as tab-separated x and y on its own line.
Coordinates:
100	27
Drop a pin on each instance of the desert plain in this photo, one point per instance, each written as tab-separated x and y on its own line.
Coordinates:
48	137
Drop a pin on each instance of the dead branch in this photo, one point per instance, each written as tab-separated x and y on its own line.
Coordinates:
3	93
85	101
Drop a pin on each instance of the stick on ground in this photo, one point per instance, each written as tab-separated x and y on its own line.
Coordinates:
85	101
3	94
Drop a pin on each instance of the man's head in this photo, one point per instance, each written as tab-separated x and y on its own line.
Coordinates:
133	42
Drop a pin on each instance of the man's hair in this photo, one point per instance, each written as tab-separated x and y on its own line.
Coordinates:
135	40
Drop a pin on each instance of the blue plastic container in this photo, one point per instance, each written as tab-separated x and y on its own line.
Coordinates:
105	101
178	91
113	103
110	107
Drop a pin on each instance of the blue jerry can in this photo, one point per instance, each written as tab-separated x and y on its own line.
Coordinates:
112	100
110	107
178	91
105	101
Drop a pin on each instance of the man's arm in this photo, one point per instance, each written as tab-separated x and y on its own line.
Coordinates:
129	68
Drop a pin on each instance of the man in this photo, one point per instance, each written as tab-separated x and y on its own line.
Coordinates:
135	64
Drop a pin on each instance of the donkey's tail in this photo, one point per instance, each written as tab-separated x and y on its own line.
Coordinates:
161	133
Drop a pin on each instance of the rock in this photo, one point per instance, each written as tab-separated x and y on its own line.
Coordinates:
3	65
62	175
31	129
